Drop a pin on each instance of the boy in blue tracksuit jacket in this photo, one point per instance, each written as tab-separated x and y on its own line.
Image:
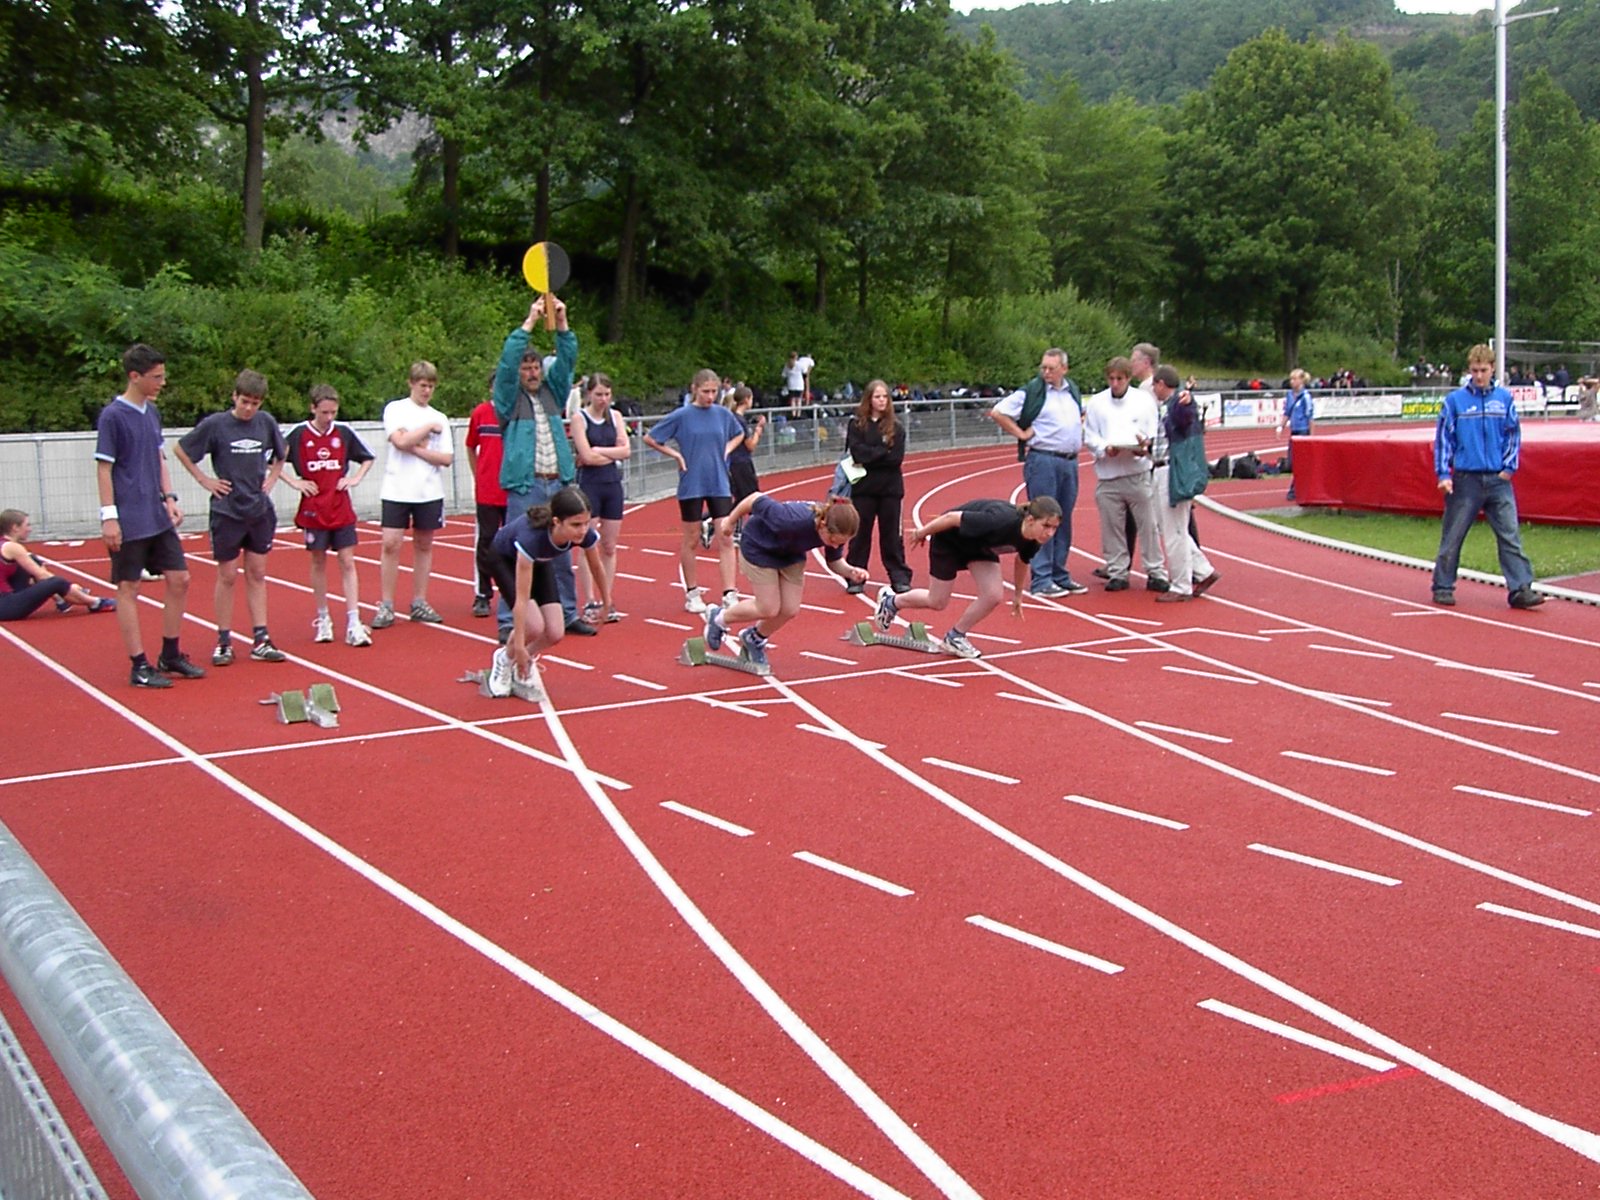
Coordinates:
1475	452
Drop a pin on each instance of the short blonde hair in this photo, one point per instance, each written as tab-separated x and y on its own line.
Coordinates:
1480	354
422	370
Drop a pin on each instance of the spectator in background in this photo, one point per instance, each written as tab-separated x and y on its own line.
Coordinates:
26	583
876	440
600	441
485	452
797	378
421	449
742	477
1119	427
1589	398
1299	410
1181	473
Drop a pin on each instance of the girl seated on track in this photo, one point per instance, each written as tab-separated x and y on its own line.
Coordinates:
520	560
970	536
26	583
777	537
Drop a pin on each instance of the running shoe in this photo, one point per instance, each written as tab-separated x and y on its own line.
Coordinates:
103	604
265	651
480	606
855	588
501	674
731	596
322	628
180	665
693	601
755	647
1049	591
708	530
1073	588
222	656
384	617
594	612
422	611
63	605
613	616
887	608
146	676
714	631
357	634
956	643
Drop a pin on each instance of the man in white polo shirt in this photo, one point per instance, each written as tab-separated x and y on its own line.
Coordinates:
1119	427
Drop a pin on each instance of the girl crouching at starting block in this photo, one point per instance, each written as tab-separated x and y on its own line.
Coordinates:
521	561
777	537
970	537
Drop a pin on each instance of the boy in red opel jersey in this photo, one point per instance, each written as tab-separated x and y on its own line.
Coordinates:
322	451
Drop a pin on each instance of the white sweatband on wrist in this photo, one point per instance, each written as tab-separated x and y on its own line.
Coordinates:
108	512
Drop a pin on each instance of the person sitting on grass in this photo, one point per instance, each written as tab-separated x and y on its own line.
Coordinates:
970	538
778	534
524	564
26	583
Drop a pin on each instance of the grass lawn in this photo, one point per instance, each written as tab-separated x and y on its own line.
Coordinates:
1555	550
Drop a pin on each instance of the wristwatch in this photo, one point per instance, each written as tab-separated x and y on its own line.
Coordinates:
170	496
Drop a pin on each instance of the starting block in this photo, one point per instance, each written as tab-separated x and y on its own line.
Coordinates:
864	633
318	705
532	692
696	653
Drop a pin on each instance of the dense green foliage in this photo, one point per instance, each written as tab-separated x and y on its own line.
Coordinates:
872	181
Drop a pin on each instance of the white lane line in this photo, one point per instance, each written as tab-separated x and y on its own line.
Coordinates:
1289	1032
1536	919
937	680
1528	800
1353	699
1080	957
1221	633
828	733
1335	762
1191	733
1118	619
635	578
1500	724
1348	650
1323	864
695	814
581	1008
658	553
1149	650
1209	675
1592	684
1424	612
1034	700
975	772
1151	818
832	612
829	658
670	625
644	683
1492	672
741	709
993	637
872	881
567	662
1296	629
1089	654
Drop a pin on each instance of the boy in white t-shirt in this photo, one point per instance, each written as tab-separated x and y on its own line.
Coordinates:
420	452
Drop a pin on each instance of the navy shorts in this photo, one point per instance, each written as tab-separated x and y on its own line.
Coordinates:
715	506
397	514
605	498
160	552
330	539
230	536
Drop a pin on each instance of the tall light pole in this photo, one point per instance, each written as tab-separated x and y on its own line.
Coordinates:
1501	20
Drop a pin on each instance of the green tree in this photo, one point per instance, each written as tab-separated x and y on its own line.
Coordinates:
1292	175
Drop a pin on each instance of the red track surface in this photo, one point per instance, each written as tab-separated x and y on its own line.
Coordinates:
482	960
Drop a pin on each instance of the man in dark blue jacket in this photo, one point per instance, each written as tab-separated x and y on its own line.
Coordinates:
1475	452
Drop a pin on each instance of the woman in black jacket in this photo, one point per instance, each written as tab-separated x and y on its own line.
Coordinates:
877	442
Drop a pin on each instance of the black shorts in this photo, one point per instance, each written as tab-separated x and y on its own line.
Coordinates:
605	499
229	535
426	515
742	478
160	553
542	591
946	561
715	506
330	539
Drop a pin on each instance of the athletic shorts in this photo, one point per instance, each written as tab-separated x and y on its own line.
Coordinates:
330	539
160	553
605	499
716	506
742	478
397	514
945	562
794	573
542	591
230	536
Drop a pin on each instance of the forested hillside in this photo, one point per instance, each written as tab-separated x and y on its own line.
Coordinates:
876	182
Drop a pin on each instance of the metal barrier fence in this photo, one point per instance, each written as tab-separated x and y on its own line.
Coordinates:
172	1129
39	1158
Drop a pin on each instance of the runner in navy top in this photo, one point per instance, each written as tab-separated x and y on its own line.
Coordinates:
26	583
705	434
777	537
971	538
522	562
600	442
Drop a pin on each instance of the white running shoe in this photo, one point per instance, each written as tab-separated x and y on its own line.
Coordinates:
500	674
357	634
693	601
956	643
322	628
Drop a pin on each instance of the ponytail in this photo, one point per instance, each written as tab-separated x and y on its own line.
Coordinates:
568	502
837	516
1041	508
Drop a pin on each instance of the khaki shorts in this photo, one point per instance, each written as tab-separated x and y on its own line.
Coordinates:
794	573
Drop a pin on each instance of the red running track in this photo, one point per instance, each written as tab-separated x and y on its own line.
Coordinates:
1287	892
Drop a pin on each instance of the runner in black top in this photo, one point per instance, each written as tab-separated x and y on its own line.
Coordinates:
971	537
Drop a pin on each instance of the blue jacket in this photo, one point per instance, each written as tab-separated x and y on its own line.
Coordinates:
1298	410
1478	430
517	410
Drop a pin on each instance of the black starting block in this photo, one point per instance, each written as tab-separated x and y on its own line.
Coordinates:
864	633
696	653
318	705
